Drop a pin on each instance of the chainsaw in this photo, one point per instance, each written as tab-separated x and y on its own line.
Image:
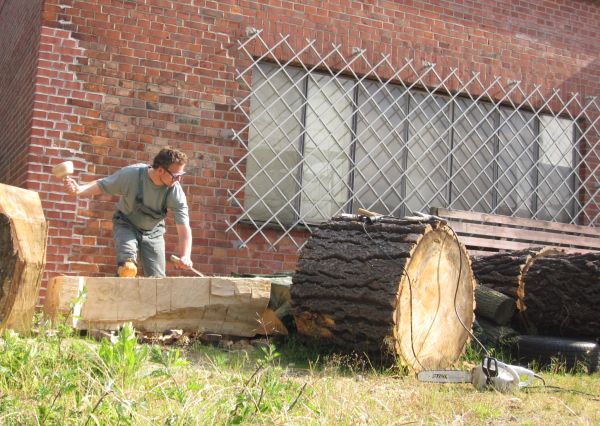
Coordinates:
490	374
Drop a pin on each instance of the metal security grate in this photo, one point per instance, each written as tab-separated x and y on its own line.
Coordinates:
322	141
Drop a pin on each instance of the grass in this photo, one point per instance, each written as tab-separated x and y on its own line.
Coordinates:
57	378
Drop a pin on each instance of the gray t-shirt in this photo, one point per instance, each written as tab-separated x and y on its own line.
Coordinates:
125	183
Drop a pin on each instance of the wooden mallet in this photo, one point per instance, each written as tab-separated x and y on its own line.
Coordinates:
63	170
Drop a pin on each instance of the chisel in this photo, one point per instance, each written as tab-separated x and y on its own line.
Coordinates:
175	259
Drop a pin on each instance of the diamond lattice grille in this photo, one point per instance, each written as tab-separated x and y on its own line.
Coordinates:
322	140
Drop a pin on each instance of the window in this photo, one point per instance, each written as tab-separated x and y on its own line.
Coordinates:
273	168
320	145
326	147
379	149
516	177
556	181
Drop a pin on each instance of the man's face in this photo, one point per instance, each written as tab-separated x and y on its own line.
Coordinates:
172	174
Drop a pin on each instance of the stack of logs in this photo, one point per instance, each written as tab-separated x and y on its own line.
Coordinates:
407	288
554	293
404	287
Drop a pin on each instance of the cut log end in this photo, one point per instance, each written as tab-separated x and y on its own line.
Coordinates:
435	310
23	234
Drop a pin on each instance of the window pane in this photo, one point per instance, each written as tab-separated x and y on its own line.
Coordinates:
516	163
271	169
326	147
380	140
556	175
472	171
427	165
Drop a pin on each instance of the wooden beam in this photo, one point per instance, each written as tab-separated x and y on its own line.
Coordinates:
497	219
222	305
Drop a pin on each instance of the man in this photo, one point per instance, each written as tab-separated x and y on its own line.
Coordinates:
146	194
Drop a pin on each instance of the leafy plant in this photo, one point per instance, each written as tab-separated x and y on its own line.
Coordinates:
170	359
124	357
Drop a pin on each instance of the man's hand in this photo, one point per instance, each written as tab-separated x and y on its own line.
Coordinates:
71	187
188	265
184	262
88	189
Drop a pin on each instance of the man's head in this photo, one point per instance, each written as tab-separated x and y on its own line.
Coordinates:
169	165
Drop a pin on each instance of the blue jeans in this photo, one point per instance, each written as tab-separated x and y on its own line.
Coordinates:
151	245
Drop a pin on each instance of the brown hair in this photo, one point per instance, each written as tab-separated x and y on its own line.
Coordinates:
168	156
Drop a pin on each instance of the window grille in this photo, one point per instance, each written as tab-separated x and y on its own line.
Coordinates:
322	141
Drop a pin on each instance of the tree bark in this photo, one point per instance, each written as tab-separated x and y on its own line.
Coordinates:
386	288
493	335
493	305
562	294
504	272
23	238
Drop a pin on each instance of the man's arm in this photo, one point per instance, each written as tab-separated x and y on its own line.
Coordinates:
88	189
184	232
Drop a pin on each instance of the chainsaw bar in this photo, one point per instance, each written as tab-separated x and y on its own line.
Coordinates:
445	376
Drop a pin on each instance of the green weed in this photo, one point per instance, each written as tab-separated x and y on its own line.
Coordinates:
59	378
266	391
123	358
486	411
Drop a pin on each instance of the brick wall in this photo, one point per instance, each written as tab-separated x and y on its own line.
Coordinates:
61	112
118	80
19	37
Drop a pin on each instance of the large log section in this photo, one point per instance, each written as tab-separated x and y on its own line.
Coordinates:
504	272
223	305
393	287
23	236
562	295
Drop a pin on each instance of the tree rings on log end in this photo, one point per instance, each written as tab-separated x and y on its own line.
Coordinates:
435	310
394	287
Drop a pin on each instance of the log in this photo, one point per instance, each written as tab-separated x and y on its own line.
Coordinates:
493	305
504	272
270	324
278	312
220	305
552	351
494	335
562	294
281	299
23	239
281	303
386	289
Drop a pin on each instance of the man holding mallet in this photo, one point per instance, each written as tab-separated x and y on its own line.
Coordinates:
147	193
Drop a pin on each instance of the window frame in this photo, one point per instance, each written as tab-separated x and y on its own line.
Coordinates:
449	192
